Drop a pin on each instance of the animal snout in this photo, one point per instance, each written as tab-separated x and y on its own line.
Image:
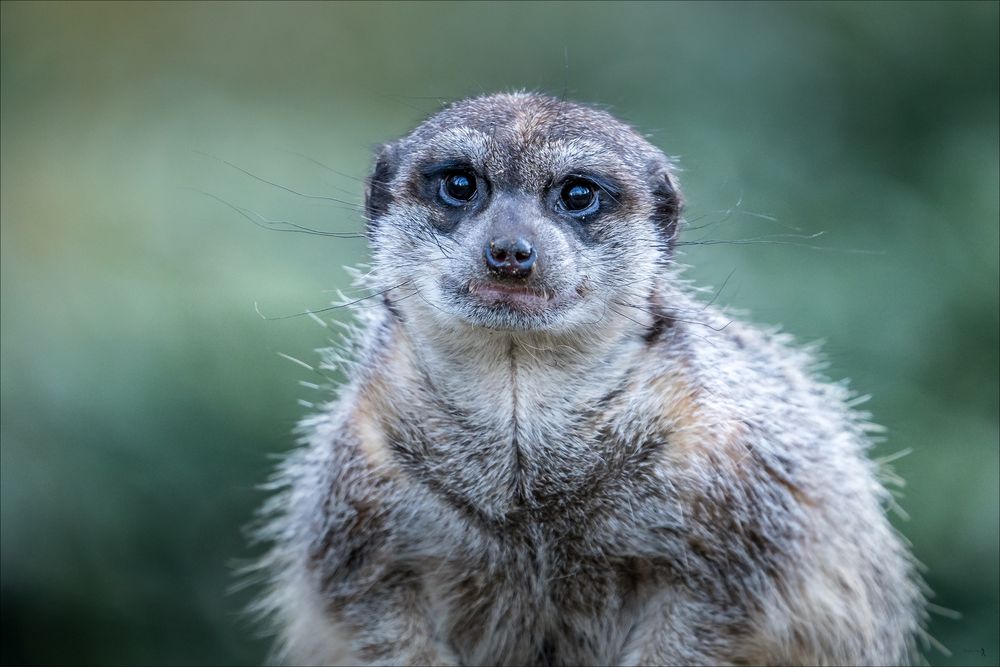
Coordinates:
510	257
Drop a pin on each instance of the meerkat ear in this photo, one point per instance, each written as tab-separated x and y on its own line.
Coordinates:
378	195
668	203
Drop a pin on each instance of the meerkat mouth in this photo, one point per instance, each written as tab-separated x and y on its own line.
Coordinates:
522	297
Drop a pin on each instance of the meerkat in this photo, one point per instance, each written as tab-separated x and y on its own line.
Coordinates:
551	450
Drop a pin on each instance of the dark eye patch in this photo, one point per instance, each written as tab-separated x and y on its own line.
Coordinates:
608	185
451	181
436	169
582	195
453	187
457	187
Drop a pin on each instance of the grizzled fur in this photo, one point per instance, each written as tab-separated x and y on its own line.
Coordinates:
619	475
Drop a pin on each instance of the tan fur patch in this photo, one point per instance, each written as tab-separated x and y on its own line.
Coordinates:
698	428
371	438
528	126
692	423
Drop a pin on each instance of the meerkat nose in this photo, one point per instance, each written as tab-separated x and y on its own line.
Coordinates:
510	257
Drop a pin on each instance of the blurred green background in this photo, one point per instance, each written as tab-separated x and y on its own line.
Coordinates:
142	395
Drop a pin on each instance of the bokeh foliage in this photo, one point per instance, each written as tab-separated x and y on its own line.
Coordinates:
142	393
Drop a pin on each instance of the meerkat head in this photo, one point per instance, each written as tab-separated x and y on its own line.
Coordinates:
521	212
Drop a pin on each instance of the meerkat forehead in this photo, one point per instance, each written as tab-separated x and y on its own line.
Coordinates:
529	138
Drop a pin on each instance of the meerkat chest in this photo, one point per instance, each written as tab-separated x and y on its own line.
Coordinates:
507	439
533	601
509	459
507	482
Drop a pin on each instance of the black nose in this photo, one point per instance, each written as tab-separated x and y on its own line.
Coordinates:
510	257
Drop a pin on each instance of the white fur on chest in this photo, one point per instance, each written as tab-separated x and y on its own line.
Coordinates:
505	419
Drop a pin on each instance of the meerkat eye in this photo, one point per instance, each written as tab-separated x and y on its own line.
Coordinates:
578	197
458	187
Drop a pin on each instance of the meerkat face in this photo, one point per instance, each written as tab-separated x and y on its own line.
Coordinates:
521	212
